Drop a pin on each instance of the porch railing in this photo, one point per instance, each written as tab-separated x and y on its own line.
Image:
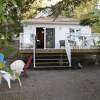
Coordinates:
84	41
75	41
26	41
80	42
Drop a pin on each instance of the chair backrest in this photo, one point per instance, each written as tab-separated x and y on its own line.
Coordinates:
62	43
1	57
17	66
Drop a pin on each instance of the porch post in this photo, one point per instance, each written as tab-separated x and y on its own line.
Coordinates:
20	44
44	38
34	49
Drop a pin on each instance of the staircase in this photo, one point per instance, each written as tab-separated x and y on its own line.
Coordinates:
50	58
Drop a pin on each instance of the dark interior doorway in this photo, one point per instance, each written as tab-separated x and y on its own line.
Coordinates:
39	37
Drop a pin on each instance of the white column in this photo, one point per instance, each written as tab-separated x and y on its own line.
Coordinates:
68	51
34	49
44	38
20	41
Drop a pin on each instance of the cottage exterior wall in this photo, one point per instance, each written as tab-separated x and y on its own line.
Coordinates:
60	30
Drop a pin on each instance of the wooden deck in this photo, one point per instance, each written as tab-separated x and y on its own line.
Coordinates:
74	51
54	58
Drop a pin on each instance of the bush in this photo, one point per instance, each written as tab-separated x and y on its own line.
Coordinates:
2	65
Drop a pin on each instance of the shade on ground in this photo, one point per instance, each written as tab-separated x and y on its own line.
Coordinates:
63	84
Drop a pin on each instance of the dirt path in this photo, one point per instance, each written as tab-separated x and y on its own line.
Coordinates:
56	85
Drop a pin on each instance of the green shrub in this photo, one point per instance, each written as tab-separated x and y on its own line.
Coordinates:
98	43
7	50
2	65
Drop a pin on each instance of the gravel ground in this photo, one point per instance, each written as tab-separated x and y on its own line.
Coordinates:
66	84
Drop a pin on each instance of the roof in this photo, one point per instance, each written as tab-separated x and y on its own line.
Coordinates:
59	19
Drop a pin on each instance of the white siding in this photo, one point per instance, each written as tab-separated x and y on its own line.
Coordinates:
86	30
28	29
60	30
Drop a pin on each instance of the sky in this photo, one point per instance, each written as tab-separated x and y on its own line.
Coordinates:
52	2
49	2
98	5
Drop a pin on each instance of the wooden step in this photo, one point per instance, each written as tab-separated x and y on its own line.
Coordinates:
51	63
50	55
51	67
51	59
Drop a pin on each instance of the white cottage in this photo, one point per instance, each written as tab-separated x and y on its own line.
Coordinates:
49	31
52	37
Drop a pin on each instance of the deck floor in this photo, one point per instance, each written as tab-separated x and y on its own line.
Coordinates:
74	51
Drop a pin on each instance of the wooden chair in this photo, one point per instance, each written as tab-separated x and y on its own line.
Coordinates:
62	43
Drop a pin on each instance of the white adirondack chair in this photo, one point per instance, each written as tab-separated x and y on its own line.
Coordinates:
16	67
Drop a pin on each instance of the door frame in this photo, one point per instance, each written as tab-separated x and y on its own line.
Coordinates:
40	30
45	36
53	37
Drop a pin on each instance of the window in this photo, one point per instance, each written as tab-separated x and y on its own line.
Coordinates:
71	30
74	31
78	31
31	37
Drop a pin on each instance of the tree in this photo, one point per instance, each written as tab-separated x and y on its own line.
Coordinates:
67	7
91	17
11	14
32	11
82	9
85	8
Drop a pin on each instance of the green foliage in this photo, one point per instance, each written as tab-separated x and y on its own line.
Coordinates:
2	65
92	19
33	9
82	9
7	50
89	15
96	27
8	19
85	8
11	14
67	7
8	69
89	19
98	42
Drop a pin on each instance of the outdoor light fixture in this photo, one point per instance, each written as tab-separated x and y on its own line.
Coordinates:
38	40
